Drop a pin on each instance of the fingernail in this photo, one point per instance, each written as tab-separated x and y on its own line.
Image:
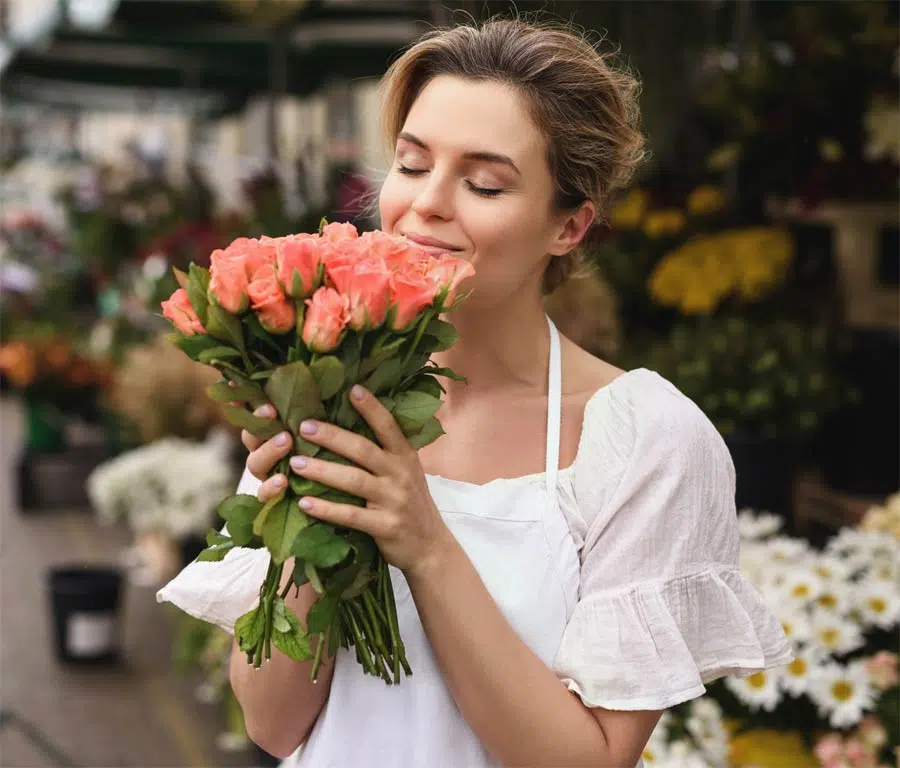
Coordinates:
263	410
282	440
306	503
357	392
309	427
298	462
279	481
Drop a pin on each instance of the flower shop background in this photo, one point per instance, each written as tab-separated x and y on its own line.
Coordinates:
755	264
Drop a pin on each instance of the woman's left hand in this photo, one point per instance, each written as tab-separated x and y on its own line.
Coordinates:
401	515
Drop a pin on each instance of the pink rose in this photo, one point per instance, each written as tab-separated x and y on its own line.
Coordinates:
397	252
367	286
872	733
882	669
337	231
327	314
447	274
231	269
858	755
179	310
298	261
343	253
276	312
829	749
410	294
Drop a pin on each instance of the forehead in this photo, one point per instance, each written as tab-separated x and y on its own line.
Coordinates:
453	114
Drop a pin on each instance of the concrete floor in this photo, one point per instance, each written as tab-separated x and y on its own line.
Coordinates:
140	712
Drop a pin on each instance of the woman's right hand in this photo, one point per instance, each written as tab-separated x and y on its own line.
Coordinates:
265	454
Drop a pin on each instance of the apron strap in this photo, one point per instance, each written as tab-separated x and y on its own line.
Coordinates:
554	407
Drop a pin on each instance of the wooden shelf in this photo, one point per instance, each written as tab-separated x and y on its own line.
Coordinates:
815	502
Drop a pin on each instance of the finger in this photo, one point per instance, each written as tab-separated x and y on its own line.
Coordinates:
380	419
271	487
251	442
340	476
261	461
363	519
360	450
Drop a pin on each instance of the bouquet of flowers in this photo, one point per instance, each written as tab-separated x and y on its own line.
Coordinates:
296	322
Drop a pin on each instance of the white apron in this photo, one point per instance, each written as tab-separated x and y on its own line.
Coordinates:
516	536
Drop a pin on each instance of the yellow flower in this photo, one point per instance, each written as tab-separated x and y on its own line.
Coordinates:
667	283
669	221
705	199
699	299
628	212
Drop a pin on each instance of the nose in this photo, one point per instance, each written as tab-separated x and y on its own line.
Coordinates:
434	199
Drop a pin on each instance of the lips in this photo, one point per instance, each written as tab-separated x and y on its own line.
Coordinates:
431	244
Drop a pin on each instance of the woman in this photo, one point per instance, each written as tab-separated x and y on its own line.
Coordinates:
566	556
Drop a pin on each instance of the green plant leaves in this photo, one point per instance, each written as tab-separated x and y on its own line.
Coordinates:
249	629
192	346
443	333
197	285
239	512
279	530
293	391
321	614
385	376
320	545
224	391
218	545
429	432
328	372
256	426
225	326
412	409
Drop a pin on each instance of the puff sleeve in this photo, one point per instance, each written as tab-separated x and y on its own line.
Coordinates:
221	592
663	607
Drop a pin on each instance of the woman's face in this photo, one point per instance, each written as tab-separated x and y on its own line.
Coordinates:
470	177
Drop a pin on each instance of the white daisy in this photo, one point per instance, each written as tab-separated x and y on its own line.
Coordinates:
798	675
795	623
786	551
801	586
754	526
757	691
835	634
835	597
842	693
708	731
683	754
830	569
884	570
878	604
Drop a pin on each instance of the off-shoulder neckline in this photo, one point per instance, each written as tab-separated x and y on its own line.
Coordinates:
603	391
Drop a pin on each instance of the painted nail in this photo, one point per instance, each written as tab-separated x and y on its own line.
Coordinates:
298	462
306	503
282	440
357	392
262	411
279	481
309	428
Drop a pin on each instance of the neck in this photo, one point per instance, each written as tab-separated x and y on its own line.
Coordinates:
506	346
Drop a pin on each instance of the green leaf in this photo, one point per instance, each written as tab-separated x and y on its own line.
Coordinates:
197	284
338	582
313	575
380	354
443	332
192	346
258	332
263	514
350	352
414	408
447	373
385	376
347	416
328	372
261	375
359	583
294	393
429	432
282	524
427	384
320	545
214	537
261	428
364	546
180	277
295	643
321	614
279	620
216	552
249	629
217	353
299	576
224	391
304	447
239	512
223	325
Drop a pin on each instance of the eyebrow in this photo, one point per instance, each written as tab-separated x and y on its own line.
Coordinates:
485	157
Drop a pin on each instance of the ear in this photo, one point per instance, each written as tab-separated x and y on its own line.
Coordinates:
574	228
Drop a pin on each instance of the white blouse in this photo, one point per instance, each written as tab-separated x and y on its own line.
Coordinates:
655	604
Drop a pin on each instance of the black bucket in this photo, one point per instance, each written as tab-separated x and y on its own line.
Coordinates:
85	602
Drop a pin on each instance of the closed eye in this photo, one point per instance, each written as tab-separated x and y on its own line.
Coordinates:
483	191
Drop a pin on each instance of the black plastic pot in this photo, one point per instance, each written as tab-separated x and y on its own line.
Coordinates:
85	603
765	473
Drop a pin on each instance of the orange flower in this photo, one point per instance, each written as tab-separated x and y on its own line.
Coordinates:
276	312
327	314
367	286
179	310
447	274
337	231
298	260
411	293
18	363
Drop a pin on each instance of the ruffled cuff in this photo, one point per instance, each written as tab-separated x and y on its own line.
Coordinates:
656	644
219	592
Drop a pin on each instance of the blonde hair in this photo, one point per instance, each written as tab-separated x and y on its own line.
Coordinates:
585	105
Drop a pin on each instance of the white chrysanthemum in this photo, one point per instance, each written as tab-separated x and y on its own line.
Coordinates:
878	604
862	550
797	676
786	551
657	747
708	731
842	693
835	634
835	597
885	571
800	586
758	691
682	754
795	622
830	569
754	526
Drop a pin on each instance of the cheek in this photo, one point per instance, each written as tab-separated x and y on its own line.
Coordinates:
393	201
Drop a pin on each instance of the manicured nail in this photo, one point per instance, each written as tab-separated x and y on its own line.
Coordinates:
282	440
279	481
263	410
306	503
357	392
309	427
298	462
